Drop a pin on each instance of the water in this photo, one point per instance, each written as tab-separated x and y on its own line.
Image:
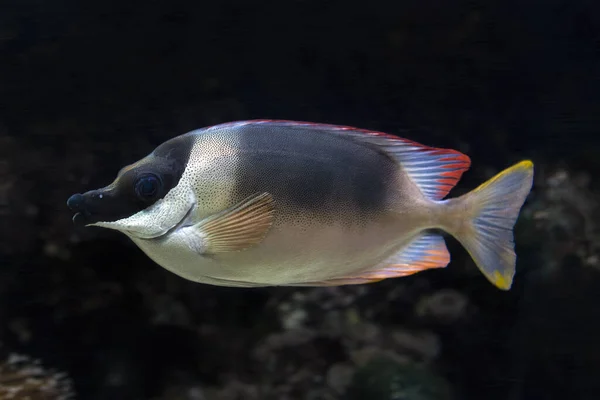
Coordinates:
86	90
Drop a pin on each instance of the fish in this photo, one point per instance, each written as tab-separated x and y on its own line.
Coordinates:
287	203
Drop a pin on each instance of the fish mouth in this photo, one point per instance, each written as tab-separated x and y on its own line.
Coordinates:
77	204
80	218
101	205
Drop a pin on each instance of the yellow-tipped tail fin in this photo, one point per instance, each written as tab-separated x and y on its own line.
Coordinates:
492	211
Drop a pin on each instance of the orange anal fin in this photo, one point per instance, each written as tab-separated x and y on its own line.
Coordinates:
427	251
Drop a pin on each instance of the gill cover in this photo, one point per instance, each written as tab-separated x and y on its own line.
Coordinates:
146	199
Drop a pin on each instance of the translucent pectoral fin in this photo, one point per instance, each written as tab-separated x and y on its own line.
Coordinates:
237	228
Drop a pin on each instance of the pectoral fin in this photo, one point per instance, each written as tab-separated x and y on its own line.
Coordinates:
237	228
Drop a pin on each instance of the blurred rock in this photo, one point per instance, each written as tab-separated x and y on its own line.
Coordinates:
562	218
423	345
339	376
444	306
22	378
385	379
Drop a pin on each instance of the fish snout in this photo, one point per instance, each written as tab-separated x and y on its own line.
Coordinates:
87	206
99	205
76	202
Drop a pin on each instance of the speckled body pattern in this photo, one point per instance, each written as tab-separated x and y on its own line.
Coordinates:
341	205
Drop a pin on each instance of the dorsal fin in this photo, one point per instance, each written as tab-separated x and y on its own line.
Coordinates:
435	171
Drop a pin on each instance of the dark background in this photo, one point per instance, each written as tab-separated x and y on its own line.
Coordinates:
88	87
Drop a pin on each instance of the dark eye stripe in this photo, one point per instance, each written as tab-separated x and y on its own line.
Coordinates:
120	199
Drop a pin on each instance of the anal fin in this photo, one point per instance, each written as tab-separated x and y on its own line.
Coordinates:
427	251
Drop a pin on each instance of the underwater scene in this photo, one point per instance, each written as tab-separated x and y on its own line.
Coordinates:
300	200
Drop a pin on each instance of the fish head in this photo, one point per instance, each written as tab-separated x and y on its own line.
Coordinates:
147	198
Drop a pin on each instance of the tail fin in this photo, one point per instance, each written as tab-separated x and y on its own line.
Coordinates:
491	212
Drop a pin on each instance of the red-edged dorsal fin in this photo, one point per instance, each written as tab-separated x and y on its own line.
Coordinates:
427	251
435	171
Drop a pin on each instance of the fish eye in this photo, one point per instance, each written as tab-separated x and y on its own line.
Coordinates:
147	186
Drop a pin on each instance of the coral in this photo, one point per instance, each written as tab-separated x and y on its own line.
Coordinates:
23	378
